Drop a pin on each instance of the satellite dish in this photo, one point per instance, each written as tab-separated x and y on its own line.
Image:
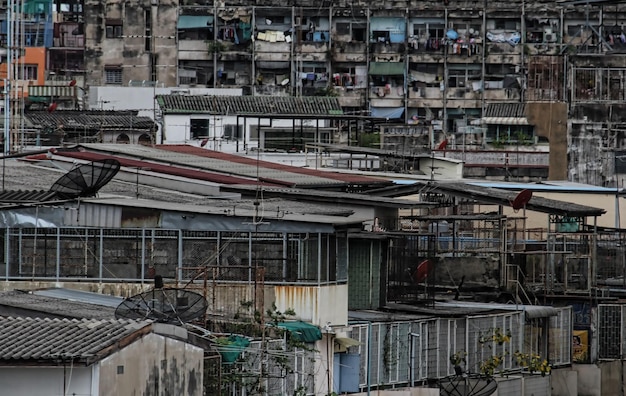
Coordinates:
468	384
165	305
443	145
53	106
87	179
422	271
521	199
72	83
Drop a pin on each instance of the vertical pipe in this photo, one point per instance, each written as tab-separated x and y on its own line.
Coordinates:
101	254
143	255
58	258
7	252
180	255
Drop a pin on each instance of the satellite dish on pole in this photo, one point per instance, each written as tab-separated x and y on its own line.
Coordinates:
443	145
164	305
521	199
422	271
86	180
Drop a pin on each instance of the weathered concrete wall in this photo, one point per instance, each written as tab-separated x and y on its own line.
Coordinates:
153	365
477	271
550	120
564	382
589	380
611	377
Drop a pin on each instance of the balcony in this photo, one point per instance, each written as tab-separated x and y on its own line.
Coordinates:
272	47
70	35
194	50
387	48
350	96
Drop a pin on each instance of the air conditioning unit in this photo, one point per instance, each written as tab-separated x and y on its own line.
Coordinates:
549	36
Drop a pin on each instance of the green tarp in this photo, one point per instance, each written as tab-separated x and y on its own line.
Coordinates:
301	331
231	348
386	68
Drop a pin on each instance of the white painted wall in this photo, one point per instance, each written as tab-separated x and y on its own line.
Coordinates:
177	130
142	98
53	381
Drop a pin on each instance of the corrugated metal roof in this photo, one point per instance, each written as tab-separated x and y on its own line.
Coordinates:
235	211
161	168
267	173
55	341
44	305
92	119
26	196
531	311
80	296
517	110
499	197
343	177
548	186
240	105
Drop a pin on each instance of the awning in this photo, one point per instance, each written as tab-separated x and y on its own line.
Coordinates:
347	342
505	120
301	331
272	65
194	21
391	113
387	69
530	311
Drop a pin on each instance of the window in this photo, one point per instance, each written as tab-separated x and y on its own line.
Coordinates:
113	75
507	24
343	28
233	132
28	72
199	128
114	28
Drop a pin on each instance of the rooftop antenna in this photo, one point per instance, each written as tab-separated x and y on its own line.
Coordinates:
163	305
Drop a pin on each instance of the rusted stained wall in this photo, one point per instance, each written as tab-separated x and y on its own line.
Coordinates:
129	52
550	121
153	366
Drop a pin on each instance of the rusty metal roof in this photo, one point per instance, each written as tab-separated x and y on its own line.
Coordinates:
343	177
55	341
161	168
246	105
226	165
72	119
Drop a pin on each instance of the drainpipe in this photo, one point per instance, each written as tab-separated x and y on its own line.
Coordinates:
412	359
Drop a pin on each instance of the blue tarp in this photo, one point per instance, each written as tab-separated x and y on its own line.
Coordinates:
387	112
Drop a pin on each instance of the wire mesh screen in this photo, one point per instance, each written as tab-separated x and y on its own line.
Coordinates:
139	254
610	331
598	84
406	280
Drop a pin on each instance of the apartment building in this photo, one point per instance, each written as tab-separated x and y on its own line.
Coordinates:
449	69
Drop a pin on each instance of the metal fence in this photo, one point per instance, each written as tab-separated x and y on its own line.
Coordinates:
408	352
136	255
